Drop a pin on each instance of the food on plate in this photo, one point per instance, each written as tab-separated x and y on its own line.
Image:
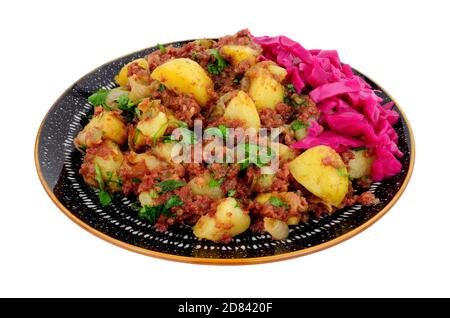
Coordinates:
169	137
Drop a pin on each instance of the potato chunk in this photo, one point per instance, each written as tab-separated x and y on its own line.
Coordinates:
201	186
265	84
185	76
122	77
150	129
238	54
242	108
322	172
228	221
104	126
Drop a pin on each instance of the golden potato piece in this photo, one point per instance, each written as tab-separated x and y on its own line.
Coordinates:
360	165
104	126
265	84
185	76
229	220
327	181
239	53
201	186
150	128
242	108
279	230
122	77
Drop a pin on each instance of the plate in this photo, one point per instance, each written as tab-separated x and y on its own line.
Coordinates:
57	164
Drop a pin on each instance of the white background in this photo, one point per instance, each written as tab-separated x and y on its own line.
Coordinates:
46	46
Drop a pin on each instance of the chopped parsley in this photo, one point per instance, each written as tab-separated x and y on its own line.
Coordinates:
169	185
297	124
342	172
238	79
162	48
161	88
215	182
220	130
152	213
103	195
277	202
253	152
136	180
231	193
291	88
136	134
219	65
359	148
99	98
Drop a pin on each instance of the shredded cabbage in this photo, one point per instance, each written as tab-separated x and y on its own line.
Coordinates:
352	113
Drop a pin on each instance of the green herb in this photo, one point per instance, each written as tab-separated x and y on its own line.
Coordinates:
215	182
124	103
291	88
231	193
103	195
174	200
188	136
168	139
136	134
83	147
99	98
170	185
297	124
109	174
342	172
161	88
136	180
152	213
262	159
159	132
180	123
237	205
162	48
359	148
153	194
219	65
220	130
276	202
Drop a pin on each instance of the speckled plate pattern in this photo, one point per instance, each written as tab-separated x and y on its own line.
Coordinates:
58	163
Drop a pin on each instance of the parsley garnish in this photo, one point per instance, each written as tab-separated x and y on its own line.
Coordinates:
99	98
220	130
297	124
291	88
238	79
162	48
219	65
262	159
169	185
276	202
342	172
103	195
359	148
136	180
151	213
231	193
215	182
161	88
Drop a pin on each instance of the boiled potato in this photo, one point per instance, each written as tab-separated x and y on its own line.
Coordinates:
108	164
360	165
229	220
285	153
265	84
163	151
279	230
237	54
185	76
104	126
147	198
201	186
293	220
122	77
151	162
242	108
327	182
150	128
263	182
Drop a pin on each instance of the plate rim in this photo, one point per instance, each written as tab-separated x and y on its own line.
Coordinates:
222	261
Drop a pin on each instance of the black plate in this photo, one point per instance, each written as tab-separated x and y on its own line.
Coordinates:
58	163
